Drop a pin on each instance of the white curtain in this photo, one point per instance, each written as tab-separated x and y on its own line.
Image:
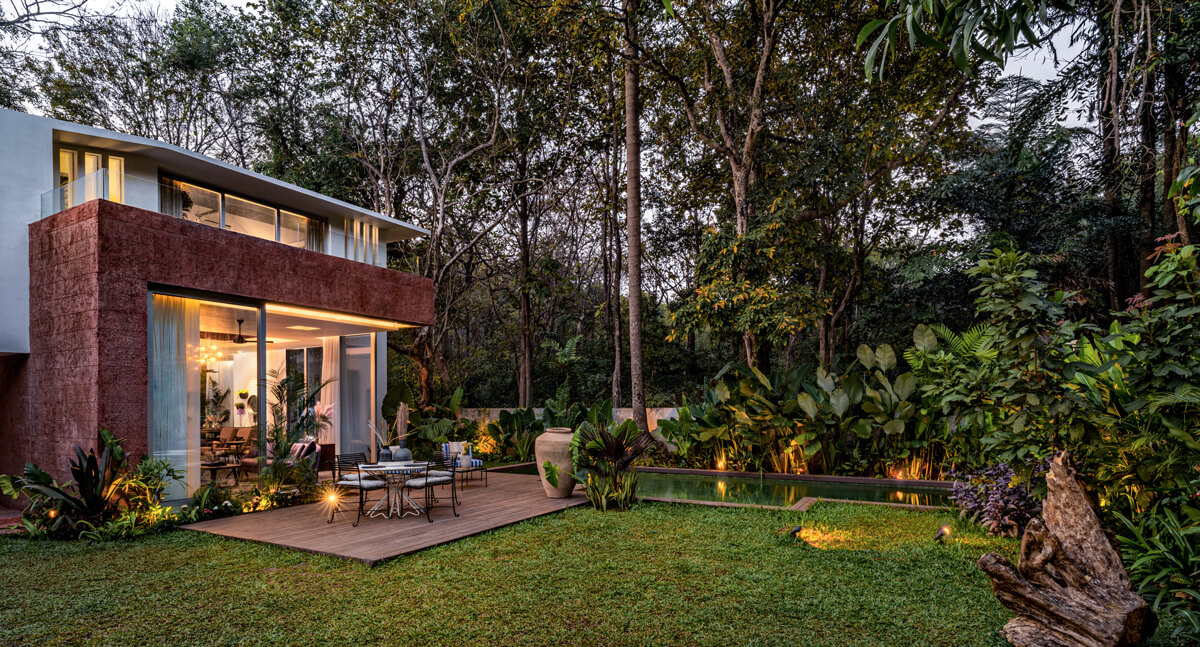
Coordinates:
175	389
331	351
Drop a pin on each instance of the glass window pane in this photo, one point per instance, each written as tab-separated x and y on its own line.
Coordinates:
293	229
197	204
66	167
93	185
250	218
316	236
312	366
116	179
66	177
356	402
204	380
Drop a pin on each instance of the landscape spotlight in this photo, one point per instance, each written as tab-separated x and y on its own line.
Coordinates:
941	535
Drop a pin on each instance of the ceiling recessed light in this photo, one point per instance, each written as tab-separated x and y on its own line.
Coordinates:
324	315
302	327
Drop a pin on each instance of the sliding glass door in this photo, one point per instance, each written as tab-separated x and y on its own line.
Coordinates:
205	386
357	394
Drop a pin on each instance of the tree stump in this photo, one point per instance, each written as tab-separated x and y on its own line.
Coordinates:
1069	587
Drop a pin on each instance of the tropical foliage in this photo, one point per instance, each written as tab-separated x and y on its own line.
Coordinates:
603	455
106	499
514	432
295	415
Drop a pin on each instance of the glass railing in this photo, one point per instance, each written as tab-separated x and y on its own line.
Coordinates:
73	194
117	187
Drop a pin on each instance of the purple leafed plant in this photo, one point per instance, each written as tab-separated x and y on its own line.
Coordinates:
991	499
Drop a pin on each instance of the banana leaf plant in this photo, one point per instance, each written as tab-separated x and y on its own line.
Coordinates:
682	433
516	430
445	423
756	421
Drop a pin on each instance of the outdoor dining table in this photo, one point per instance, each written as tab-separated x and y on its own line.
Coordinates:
395	473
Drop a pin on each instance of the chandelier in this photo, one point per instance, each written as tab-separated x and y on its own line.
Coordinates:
208	354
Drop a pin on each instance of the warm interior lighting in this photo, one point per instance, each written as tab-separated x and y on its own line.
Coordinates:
208	354
275	308
302	328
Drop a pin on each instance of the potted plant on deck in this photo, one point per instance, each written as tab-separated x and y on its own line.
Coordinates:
391	439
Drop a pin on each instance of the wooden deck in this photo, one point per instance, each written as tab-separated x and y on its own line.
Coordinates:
508	499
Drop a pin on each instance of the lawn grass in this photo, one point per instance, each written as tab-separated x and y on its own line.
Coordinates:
664	574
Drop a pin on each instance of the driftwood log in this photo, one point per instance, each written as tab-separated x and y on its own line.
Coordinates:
1069	587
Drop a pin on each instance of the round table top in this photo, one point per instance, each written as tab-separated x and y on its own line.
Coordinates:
394	466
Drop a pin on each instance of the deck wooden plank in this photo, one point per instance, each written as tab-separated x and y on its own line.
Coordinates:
508	499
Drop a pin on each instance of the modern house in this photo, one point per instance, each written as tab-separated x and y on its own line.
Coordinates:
141	282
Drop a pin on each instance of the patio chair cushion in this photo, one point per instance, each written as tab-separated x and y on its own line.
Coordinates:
436	473
426	481
476	462
365	484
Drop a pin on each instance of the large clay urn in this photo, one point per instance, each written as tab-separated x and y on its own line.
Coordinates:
555	446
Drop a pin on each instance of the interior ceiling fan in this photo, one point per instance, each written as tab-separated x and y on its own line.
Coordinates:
239	338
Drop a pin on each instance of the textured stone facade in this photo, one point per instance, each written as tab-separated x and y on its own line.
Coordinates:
91	269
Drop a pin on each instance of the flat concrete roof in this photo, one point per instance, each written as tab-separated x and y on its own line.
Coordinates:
228	177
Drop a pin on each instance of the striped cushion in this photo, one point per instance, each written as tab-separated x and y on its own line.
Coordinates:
476	462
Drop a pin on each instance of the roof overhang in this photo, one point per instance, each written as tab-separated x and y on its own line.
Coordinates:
174	160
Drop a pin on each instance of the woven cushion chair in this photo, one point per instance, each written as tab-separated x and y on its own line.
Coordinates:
476	464
429	479
348	475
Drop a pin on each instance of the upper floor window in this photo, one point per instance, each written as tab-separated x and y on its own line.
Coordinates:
88	175
216	209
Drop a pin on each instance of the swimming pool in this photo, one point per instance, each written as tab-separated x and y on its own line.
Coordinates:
775	490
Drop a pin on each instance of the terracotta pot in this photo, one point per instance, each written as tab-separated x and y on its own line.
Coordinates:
555	446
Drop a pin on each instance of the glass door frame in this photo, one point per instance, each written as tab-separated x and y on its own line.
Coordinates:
220	299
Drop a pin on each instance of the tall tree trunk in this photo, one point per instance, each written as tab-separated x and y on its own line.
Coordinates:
633	212
614	295
525	363
1109	147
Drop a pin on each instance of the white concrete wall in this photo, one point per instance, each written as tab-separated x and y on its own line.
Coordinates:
141	187
26	171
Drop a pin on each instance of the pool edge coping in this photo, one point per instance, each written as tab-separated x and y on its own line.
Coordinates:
856	480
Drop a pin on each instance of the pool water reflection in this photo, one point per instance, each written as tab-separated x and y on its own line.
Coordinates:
773	491
780	492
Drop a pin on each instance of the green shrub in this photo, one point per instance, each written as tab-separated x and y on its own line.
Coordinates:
514	432
1161	551
104	501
